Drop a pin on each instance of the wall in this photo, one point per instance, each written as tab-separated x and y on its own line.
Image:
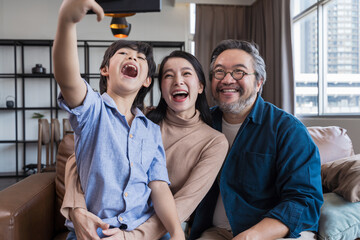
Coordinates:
37	19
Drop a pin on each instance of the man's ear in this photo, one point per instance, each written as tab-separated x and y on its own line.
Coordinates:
147	82
259	84
104	71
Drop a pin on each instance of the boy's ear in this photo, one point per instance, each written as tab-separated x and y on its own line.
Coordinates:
147	82
104	71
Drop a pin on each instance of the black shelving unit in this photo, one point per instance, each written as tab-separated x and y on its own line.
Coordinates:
18	71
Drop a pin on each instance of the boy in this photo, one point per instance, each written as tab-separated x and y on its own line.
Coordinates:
119	152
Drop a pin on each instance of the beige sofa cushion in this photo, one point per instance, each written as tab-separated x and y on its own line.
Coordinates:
333	142
343	177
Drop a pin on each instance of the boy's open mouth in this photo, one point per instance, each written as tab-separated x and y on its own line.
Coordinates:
129	70
181	94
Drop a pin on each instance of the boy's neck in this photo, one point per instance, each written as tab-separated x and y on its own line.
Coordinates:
124	106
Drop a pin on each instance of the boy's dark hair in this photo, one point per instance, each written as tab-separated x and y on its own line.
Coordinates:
141	47
159	113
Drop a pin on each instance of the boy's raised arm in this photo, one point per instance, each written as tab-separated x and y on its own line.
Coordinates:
65	54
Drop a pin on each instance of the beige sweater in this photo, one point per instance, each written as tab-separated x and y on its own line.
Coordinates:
194	153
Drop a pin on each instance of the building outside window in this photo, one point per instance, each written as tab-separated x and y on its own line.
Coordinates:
326	43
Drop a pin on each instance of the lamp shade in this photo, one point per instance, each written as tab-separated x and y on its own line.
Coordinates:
121	32
120	28
118	23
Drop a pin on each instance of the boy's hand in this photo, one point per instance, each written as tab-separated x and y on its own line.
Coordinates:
114	234
86	223
72	11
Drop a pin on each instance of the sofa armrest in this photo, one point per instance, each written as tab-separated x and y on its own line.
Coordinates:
27	208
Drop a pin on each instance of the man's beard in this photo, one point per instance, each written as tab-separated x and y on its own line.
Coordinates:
240	105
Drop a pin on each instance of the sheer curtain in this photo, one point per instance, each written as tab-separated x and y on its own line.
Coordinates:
268	24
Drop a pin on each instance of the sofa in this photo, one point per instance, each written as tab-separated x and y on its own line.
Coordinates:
30	208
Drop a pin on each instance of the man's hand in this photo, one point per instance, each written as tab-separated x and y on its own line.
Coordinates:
248	235
86	223
266	229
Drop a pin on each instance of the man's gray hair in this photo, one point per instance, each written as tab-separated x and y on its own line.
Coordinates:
250	48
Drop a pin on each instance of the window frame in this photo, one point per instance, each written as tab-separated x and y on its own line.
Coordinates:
322	102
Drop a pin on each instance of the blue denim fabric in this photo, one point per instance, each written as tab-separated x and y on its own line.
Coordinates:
71	235
165	237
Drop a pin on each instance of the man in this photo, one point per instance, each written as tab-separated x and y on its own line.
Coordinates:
270	183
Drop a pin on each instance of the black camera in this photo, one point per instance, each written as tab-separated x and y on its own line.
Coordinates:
129	6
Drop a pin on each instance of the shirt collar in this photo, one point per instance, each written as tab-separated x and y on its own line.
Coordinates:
256	113
111	104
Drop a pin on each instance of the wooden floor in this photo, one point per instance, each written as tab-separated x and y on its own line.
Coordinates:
8	181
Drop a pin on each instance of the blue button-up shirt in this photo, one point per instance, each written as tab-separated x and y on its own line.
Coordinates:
115	161
272	170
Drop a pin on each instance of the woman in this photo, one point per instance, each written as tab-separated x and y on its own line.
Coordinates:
194	150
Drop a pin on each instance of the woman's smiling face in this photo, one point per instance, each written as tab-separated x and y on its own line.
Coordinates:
180	86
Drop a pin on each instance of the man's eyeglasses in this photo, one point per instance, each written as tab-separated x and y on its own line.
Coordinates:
236	74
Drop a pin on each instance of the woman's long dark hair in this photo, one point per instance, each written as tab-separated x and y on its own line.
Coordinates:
159	113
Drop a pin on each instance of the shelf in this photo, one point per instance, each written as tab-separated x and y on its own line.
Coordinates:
18	141
25	75
29	108
37	90
46	75
31	75
7	75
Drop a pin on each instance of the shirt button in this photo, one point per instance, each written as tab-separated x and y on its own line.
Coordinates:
120	218
126	194
131	136
132	164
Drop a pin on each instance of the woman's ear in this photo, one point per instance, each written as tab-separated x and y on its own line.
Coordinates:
201	88
104	71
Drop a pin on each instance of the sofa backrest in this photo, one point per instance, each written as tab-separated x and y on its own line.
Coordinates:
66	148
333	142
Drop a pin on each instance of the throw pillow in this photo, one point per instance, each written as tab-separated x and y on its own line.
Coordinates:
333	142
339	219
343	177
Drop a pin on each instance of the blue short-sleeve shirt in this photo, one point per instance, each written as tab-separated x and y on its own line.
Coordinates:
116	161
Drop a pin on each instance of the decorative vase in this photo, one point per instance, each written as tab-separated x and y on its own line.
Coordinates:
39	69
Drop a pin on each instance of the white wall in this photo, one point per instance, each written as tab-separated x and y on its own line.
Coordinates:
37	19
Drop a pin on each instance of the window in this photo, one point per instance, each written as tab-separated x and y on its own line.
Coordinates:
326	40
